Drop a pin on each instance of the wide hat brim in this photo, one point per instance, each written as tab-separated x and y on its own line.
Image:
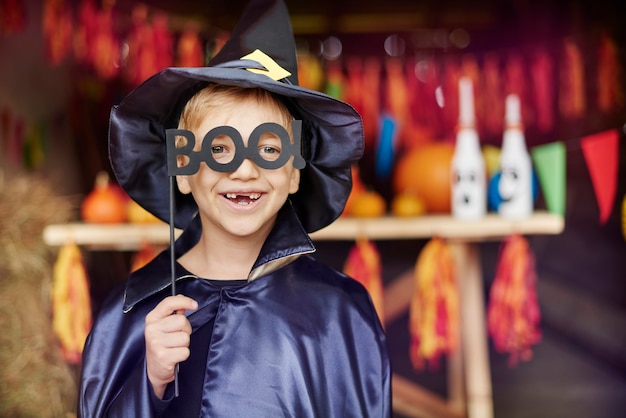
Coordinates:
332	131
332	134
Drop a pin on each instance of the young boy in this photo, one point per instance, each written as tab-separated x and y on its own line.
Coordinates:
261	329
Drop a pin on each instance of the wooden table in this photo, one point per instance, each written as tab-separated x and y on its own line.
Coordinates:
469	380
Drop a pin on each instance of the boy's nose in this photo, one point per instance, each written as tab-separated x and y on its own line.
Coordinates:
247	170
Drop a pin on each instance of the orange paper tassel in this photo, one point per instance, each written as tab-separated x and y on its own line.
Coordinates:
189	49
434	309
57	30
363	264
71	303
572	82
513	313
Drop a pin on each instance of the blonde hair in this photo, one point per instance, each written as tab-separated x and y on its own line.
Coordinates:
219	96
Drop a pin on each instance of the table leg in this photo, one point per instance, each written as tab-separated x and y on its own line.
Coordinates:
473	331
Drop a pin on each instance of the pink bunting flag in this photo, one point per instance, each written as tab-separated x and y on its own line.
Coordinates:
601	154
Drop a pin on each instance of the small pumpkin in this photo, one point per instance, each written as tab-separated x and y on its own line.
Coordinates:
407	204
368	204
425	171
106	203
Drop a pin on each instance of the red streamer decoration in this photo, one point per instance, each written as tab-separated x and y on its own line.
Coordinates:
57	30
434	308
541	68
363	264
609	79
513	313
572	98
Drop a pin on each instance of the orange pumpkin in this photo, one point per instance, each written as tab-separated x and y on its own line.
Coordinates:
407	204
105	203
368	204
425	171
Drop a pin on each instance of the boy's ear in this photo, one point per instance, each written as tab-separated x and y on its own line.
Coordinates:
183	184
294	183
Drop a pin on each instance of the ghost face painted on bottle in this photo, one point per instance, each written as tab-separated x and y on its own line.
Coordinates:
244	202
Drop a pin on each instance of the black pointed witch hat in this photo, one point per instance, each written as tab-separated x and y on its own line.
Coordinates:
332	134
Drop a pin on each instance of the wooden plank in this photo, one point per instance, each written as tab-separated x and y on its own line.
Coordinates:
120	237
491	226
131	236
473	331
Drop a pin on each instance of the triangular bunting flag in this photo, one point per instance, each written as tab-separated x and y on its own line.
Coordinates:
550	165
601	154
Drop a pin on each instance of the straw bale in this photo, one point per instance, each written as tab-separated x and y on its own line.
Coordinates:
34	379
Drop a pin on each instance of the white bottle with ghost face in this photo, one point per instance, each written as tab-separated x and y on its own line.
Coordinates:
515	185
469	196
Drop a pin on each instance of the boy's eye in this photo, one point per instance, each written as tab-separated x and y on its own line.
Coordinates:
268	149
223	149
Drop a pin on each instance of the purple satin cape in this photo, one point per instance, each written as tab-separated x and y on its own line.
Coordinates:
301	341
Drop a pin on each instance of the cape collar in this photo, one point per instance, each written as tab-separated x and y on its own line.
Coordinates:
287	241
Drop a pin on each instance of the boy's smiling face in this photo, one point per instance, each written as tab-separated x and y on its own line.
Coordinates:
244	202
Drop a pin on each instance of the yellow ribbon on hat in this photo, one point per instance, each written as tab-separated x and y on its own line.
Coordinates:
272	69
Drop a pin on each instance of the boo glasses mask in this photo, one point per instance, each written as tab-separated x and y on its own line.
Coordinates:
223	149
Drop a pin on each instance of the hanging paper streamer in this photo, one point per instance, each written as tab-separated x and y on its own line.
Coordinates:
515	78
189	51
426	109
355	88
150	45
71	303
84	32
397	104
106	44
363	264
141	57
449	99
572	82
513	313
434	308
397	101
492	97
163	41
601	154
542	83
57	30
517	82
610	94
550	166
